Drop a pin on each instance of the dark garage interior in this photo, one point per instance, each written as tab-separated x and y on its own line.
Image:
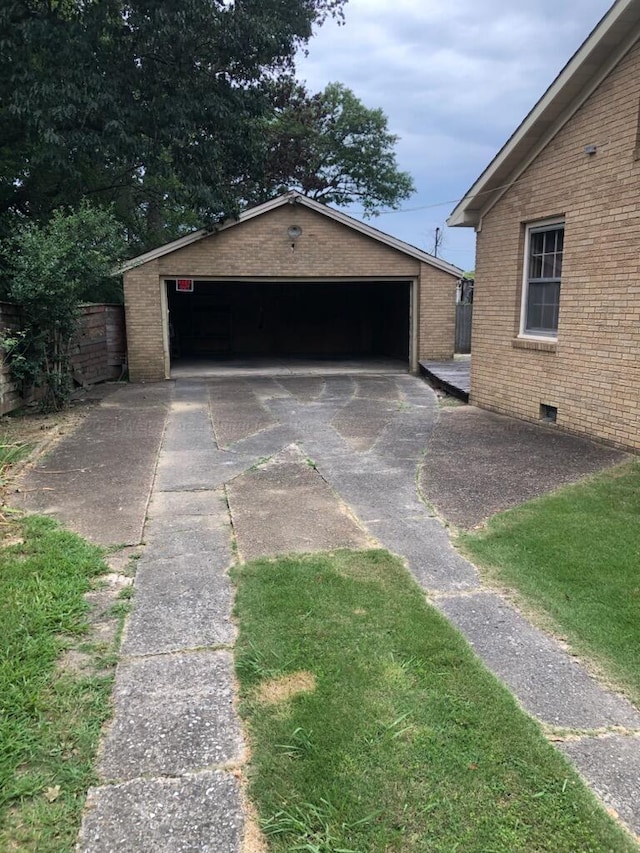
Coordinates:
290	319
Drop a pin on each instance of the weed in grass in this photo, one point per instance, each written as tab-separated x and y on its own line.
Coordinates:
309	827
120	610
126	593
300	743
10	453
256	665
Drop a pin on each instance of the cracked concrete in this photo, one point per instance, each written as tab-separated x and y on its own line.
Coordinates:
284	452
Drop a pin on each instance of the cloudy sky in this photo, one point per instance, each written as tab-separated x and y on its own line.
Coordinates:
455	79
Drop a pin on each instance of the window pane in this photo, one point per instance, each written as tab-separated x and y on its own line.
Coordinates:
535	266
545	253
549	266
537	242
558	266
543	307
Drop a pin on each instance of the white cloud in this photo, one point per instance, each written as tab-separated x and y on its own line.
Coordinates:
454	80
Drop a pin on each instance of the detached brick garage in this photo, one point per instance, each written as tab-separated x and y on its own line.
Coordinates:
290	278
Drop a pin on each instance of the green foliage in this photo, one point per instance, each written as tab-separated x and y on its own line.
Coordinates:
154	107
51	270
573	557
330	146
50	721
401	741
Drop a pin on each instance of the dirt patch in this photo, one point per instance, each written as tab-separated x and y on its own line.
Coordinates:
279	690
253	840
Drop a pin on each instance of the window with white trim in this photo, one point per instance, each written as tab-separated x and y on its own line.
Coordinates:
542	277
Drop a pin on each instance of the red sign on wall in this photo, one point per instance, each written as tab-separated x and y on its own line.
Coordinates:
184	285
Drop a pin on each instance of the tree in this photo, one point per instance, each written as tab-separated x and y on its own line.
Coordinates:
154	106
332	148
52	269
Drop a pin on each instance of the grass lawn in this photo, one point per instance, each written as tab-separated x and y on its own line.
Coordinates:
374	729
50	719
575	557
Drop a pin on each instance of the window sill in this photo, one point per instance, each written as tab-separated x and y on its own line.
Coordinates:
535	345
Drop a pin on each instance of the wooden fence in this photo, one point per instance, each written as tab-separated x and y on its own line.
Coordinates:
98	351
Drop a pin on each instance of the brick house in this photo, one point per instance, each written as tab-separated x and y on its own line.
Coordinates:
290	277
556	327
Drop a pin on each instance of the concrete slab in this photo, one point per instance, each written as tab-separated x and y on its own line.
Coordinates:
377	388
479	463
306	389
165	506
423	543
286	506
549	683
174	714
193	814
184	602
362	421
97	480
236	412
258	447
190	470
611	765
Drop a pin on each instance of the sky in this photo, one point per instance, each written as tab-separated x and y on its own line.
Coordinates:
455	79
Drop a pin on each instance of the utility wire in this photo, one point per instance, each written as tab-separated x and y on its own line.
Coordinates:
438	204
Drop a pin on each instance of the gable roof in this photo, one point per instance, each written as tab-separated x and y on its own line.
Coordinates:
607	45
295	197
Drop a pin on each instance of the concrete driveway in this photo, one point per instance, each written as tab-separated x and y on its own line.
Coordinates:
260	465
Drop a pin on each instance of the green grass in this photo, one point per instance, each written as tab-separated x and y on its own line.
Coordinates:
50	720
574	557
406	743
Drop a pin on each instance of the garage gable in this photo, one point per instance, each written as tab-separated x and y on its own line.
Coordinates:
291	236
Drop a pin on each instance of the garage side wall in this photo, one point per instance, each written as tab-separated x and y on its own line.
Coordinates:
143	308
591	373
437	314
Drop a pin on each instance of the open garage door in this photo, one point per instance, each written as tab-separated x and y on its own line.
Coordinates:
358	319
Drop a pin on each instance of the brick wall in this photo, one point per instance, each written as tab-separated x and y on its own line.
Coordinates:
437	314
143	310
592	373
262	248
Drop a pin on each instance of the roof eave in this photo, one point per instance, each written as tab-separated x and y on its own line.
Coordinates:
589	66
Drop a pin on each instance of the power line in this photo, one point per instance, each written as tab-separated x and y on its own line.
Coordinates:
441	203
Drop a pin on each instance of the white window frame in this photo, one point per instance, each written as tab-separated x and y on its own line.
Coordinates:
532	228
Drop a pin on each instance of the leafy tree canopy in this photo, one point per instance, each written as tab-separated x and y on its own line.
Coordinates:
152	105
176	114
331	147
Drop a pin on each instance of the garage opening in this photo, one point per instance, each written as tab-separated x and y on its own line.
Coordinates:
332	320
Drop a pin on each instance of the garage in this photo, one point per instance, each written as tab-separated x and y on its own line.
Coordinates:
315	319
291	278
